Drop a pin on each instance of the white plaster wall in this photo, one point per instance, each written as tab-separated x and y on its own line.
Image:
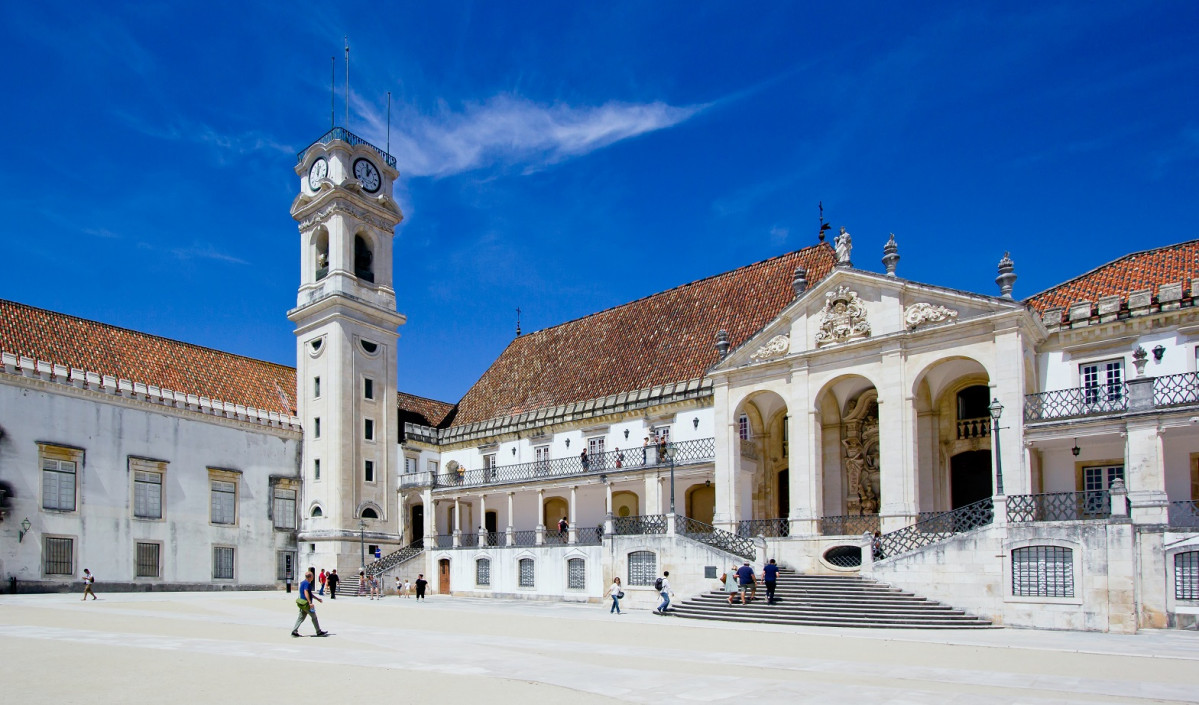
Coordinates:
550	580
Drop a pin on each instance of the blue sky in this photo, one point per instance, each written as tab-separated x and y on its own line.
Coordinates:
568	157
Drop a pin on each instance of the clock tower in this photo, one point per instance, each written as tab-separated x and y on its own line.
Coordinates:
346	321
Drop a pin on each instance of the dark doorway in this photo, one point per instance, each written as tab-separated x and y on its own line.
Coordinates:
418	522
973	402
969	477
784	494
490	522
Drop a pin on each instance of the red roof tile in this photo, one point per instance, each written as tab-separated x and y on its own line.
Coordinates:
423	411
1140	270
140	357
663	338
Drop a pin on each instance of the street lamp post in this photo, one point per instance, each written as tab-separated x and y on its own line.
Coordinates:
996	410
362	541
670	451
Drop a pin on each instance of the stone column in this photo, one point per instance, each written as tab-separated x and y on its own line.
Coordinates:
1145	472
653	495
608	518
806	495
1008	387
457	523
728	452
897	446
572	532
511	517
540	517
867	545
431	522
402	514
482	520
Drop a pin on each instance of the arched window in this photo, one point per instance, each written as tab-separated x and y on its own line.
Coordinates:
363	259
483	572
526	572
576	574
643	567
369	513
316	512
321	261
1043	571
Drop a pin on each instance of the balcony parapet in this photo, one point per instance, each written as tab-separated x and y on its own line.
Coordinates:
1135	395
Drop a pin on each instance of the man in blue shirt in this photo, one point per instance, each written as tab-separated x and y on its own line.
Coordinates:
748	581
307	609
770	576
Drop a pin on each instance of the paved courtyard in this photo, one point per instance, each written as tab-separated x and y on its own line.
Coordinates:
235	647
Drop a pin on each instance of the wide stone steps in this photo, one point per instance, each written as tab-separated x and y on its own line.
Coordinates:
832	601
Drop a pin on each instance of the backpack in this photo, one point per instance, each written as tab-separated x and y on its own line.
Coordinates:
658	584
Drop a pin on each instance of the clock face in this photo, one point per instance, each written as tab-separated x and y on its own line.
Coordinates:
366	172
318	171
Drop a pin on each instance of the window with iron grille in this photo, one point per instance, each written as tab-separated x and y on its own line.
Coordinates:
58	484
285	508
285	565
1186	575
224	502
147	495
576	574
526	572
58	555
483	572
643	567
147	560
1102	381
222	562
1043	571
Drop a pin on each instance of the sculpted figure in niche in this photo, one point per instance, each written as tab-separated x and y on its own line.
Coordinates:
855	462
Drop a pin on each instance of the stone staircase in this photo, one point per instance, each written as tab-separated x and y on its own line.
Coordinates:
832	601
395	558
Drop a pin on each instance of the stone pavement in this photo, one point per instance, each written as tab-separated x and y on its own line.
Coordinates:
235	647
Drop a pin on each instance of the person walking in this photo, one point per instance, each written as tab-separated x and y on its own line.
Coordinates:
399	586
407	588
563	529
373	585
322	579
615	592
421	584
88	581
662	585
748	581
333	579
770	576
730	583
307	609
361	583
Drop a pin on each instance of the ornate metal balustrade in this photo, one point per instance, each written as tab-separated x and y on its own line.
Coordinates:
849	525
1184	514
1080	401
494	538
395	558
1059	506
416	479
974	428
1176	390
935	529
341	133
468	541
638	525
591	536
443	541
694	451
524	538
716	538
770	528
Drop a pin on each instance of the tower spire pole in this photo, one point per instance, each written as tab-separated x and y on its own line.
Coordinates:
389	122
332	92
347	40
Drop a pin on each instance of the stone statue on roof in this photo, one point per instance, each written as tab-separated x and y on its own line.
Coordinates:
844	244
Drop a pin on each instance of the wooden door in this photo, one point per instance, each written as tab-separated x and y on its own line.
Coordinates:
443	576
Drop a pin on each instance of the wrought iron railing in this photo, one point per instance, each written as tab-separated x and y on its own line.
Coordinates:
844	556
638	525
1080	401
524	538
935	529
494	538
395	558
717	538
974	428
770	528
1059	506
1184	514
341	133
694	451
443	541
468	540
416	479
849	525
1176	390
591	536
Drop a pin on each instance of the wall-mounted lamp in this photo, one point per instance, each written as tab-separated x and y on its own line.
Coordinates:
695	422
24	530
1159	352
1076	450
603	478
707	483
626	434
567	442
513	450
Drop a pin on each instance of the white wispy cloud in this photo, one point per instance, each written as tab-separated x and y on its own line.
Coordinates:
510	130
205	251
225	143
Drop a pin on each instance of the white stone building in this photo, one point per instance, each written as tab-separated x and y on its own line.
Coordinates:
795	407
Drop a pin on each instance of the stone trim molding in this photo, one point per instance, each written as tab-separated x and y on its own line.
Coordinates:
21	366
1170	297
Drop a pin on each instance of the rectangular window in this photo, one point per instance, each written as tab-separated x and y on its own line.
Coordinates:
432	466
489	466
662	433
369	429
147	560
285	508
285	565
595	447
643	567
224	502
58	484
541	456
147	495
316	387
1102	382
483	572
743	426
1043	571
316	468
368	388
1186	575
409	464
576	574
1095	481
316	427
222	562
526	573
369	471
59	555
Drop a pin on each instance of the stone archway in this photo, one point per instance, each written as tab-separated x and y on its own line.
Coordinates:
625	504
701	502
761	422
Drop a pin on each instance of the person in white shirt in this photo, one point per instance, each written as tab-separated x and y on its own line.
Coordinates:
665	592
615	592
88	581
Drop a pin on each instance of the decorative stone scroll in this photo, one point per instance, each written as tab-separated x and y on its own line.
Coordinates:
777	347
918	314
843	318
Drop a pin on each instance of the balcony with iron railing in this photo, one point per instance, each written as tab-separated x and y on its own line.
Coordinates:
341	133
1091	505
1137	395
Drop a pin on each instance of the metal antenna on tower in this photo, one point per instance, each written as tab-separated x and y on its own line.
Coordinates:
347	40
518	322
332	92
389	122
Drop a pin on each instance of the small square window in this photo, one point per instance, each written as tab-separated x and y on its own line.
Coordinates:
316	468
369	429
368	388
316	387
148	560
370	471
59	555
316	427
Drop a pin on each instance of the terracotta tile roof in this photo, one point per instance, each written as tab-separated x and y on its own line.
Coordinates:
1139	270
140	357
663	338
423	411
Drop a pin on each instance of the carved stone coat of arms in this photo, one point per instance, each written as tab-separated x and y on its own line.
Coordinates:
843	318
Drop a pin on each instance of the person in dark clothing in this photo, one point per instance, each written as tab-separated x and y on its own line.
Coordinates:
770	576
421	584
332	580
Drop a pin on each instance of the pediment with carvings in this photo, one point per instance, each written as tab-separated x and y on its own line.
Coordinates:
842	319
778	346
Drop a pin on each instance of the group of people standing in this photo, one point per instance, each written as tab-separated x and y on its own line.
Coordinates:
743	579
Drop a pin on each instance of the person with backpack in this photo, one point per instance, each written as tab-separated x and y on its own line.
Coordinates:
615	592
662	585
307	609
